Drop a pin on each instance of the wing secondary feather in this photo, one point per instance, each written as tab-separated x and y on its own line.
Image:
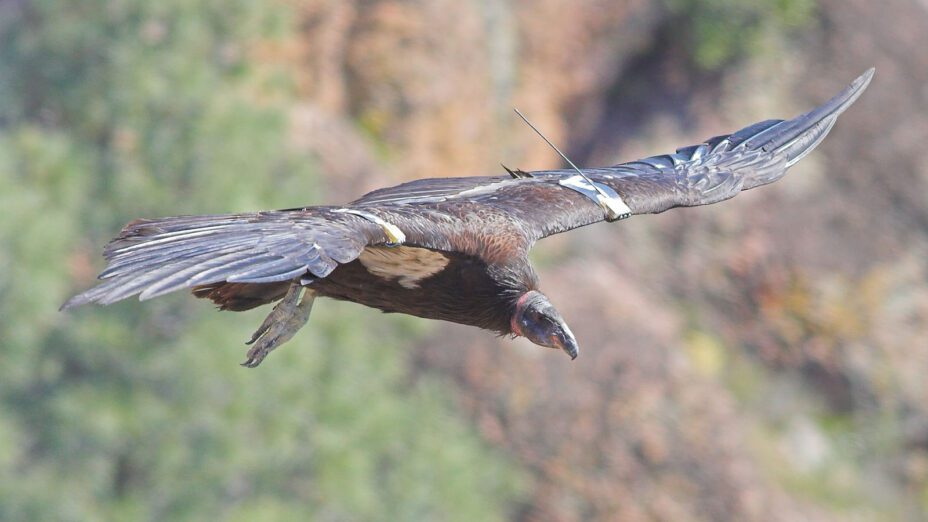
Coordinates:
154	257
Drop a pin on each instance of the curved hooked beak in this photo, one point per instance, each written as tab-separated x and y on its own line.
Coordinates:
564	339
537	320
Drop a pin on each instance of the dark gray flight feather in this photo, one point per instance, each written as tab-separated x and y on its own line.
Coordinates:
154	257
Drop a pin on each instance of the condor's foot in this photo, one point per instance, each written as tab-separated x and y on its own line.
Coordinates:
288	316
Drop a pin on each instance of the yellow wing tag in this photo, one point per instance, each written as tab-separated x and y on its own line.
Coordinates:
395	236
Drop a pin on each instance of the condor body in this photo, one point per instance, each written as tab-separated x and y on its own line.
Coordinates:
453	249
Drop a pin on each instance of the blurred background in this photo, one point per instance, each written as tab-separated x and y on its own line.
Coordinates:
760	359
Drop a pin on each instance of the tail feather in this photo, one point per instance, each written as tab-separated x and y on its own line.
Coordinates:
238	297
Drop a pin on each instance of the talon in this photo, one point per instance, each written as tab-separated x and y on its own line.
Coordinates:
261	329
287	317
267	323
289	300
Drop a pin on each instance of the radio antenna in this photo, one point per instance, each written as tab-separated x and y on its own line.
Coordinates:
553	146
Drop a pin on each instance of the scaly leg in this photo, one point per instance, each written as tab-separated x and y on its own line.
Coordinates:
288	316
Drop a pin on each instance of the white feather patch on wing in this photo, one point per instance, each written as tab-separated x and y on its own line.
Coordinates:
408	265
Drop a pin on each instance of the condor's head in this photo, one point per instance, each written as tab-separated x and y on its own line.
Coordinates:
536	319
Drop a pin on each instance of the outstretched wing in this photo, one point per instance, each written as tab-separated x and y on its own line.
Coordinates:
154	257
495	219
538	205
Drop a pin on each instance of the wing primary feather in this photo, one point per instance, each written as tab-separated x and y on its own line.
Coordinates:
173	277
785	132
274	278
814	141
219	273
154	257
125	264
176	277
264	269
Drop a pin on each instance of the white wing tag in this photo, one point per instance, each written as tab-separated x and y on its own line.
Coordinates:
603	195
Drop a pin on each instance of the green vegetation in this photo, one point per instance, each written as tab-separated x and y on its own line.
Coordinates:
811	451
110	110
718	31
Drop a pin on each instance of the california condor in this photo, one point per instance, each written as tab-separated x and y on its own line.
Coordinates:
453	249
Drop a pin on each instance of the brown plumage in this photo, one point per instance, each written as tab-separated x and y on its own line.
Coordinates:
464	241
238	297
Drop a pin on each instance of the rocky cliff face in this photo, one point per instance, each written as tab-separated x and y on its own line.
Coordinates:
760	359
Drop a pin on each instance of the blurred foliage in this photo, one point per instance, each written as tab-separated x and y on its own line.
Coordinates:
795	391
812	452
719	31
110	110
